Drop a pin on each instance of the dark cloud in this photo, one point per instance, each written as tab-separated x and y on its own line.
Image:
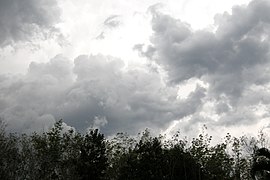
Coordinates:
24	20
232	60
95	91
251	20
28	101
231	63
129	99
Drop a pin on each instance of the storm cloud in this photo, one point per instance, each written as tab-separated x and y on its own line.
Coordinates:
233	60
25	20
224	71
95	90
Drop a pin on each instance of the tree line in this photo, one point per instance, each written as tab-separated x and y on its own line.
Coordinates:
71	155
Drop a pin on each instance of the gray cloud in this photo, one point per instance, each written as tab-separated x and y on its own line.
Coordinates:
251	20
28	101
112	21
100	36
129	99
24	20
99	91
232	60
94	87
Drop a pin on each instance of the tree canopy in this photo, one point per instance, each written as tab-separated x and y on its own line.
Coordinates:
71	155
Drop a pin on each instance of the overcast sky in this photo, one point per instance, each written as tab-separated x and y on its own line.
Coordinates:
123	66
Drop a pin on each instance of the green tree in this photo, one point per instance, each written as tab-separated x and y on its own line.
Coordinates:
28	161
145	161
118	149
215	162
48	150
9	154
92	162
181	165
71	153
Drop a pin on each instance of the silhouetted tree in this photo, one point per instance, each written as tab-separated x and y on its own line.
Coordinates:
48	150
261	164
9	154
215	162
145	161
119	149
92	162
73	156
182	165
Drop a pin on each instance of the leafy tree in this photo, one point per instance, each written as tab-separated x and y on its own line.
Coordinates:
215	161
48	150
9	154
92	162
261	165
118	149
71	152
145	161
151	159
73	156
28	161
181	164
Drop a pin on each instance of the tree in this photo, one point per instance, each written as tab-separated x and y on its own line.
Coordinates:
181	164
9	154
28	161
214	161
261	164
92	162
153	159
118	150
145	161
48	150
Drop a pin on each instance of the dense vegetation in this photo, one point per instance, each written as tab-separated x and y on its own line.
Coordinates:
70	155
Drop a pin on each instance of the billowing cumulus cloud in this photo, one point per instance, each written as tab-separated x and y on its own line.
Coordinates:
233	60
95	91
28	101
223	74
25	20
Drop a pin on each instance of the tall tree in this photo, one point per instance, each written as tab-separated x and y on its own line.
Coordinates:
9	154
92	162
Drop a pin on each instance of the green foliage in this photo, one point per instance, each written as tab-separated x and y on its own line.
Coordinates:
180	163
145	160
73	156
151	159
92	161
215	162
9	156
118	150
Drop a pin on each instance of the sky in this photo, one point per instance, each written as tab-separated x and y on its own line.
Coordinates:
123	66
